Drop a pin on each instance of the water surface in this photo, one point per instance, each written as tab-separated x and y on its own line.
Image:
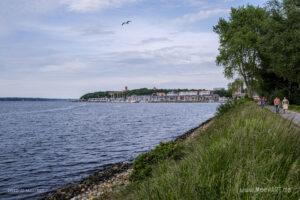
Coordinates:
45	145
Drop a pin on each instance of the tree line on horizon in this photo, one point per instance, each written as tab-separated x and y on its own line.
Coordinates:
260	48
142	91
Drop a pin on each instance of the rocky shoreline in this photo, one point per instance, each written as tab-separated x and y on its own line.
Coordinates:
102	182
75	189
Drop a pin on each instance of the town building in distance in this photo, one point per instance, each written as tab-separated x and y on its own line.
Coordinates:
160	97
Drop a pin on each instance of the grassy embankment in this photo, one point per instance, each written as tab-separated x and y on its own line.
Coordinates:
245	152
295	108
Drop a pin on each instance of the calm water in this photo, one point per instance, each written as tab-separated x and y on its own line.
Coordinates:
45	145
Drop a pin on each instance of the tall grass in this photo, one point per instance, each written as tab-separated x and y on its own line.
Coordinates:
246	153
295	108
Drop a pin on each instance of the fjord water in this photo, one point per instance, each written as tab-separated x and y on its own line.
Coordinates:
45	145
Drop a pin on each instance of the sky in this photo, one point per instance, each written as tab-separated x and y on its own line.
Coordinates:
66	48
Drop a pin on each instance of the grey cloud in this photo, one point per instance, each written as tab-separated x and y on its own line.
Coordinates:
93	5
172	55
26	6
95	31
157	39
201	15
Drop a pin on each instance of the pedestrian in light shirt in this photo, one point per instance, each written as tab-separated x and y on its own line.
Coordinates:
285	104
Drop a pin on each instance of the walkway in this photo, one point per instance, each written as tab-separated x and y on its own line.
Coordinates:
291	115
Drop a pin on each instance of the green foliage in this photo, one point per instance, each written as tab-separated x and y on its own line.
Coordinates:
143	164
229	105
282	42
146	91
95	95
276	93
235	86
238	51
280	47
141	91
241	151
223	93
295	96
262	45
295	108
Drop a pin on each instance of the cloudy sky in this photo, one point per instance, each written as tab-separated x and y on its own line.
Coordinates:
65	48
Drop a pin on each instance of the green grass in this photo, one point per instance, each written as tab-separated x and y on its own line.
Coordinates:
244	150
143	164
295	108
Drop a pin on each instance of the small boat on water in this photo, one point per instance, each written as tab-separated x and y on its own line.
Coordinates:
134	101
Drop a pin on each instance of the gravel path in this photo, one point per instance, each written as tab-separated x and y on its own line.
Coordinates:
291	115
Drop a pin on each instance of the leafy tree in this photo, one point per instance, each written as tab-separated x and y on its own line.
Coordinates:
262	45
95	95
239	36
280	48
235	86
223	93
140	91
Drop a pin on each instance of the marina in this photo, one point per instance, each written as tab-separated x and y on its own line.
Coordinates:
193	96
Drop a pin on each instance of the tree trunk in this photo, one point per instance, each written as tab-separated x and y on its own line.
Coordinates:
248	86
290	90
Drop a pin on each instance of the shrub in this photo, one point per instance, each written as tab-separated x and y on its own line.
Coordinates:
229	105
142	165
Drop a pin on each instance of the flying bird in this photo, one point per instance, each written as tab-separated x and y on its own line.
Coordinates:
125	23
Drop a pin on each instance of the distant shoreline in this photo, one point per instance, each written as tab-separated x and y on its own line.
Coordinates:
33	99
17	99
151	102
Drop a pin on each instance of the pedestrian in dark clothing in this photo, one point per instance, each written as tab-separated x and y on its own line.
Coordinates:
262	102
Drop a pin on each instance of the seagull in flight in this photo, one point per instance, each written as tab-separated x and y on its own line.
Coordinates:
127	22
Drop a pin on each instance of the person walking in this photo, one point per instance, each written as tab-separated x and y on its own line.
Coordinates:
277	104
262	102
265	100
285	104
